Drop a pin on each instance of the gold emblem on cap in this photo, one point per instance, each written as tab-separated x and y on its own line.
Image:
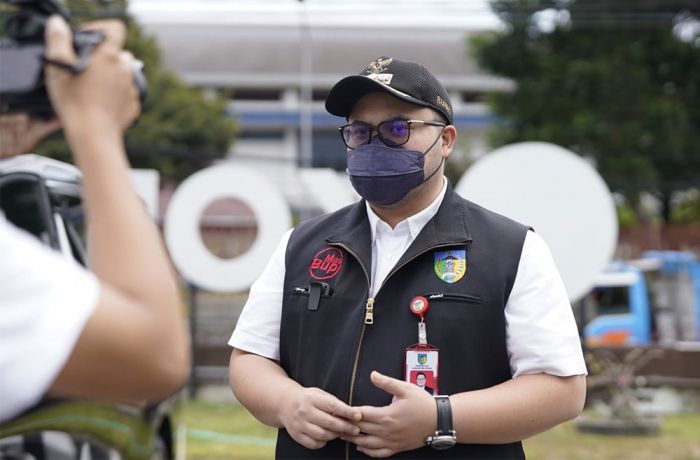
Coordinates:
379	65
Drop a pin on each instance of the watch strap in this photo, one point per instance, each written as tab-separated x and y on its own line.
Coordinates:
444	415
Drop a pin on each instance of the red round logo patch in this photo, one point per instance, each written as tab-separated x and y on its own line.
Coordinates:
326	264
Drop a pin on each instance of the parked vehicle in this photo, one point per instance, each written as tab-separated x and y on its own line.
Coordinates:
653	300
642	334
42	196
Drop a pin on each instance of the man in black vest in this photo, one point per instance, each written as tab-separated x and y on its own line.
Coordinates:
412	279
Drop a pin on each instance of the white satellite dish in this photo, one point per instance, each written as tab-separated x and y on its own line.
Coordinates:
557	193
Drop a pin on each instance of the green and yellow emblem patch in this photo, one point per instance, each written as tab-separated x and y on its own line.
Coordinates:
450	266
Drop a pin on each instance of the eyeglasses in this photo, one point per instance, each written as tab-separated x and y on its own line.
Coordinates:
393	133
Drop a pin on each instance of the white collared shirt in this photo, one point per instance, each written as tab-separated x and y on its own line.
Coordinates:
388	245
541	333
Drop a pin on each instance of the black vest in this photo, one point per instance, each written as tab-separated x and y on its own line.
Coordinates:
325	343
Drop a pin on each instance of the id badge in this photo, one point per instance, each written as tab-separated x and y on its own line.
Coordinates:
422	367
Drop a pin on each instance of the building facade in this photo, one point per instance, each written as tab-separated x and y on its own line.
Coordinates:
276	60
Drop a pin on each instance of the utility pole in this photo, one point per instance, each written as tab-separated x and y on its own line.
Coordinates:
305	88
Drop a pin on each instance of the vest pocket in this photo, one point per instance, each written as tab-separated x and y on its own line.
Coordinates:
454	297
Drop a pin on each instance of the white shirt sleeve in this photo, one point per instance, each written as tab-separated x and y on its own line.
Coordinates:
541	332
45	301
258	327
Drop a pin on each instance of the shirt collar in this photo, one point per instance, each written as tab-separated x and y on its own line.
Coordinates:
416	222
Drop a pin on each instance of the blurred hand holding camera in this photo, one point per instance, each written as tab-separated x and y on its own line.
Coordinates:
102	96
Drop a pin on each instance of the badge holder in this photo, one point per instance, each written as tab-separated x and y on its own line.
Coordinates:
421	365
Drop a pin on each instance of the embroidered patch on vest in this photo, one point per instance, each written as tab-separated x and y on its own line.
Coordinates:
326	264
450	266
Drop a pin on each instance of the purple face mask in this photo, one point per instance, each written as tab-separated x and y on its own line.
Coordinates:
383	175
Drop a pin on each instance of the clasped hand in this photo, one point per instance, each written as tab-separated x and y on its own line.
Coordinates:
315	417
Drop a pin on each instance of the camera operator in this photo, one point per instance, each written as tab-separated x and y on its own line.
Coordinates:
117	333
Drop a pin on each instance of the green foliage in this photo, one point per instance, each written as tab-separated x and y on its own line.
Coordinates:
629	97
626	216
687	211
180	130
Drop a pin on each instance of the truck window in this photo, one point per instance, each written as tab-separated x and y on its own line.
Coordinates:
611	300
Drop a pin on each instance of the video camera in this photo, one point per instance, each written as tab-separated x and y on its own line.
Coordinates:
22	87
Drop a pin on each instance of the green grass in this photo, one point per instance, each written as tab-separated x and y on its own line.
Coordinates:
241	434
679	440
228	432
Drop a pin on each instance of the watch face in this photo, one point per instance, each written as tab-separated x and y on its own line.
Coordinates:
443	442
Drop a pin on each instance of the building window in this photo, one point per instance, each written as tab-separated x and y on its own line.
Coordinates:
262	135
320	94
256	94
472	97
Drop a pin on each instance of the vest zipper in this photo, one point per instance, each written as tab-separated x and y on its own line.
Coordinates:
369	316
369	311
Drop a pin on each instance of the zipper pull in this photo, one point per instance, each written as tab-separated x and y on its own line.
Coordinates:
369	311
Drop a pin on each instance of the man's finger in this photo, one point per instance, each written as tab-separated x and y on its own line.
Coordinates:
114	31
319	433
14	120
372	414
309	442
20	134
59	41
388	384
367	441
127	58
373	446
44	128
338	408
376	453
371	428
334	423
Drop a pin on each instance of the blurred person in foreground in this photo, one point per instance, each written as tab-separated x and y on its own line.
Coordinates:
413	278
118	332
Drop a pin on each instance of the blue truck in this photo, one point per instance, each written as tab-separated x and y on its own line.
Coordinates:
652	300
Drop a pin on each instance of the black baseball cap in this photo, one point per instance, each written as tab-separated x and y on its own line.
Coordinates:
405	80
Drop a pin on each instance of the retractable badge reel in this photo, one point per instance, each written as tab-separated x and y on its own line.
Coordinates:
422	358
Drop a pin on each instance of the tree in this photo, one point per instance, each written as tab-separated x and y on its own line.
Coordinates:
180	130
612	82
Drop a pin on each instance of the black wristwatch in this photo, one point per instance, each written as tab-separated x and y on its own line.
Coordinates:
445	437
